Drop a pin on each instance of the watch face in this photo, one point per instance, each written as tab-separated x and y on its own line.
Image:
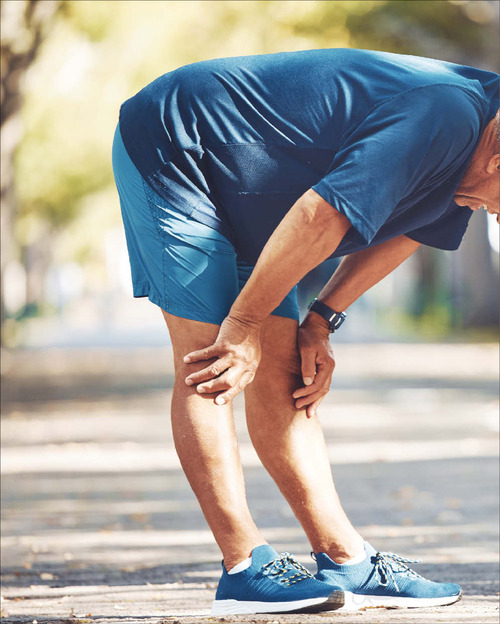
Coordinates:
337	321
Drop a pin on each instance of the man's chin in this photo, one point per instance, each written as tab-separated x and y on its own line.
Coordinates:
468	202
463	201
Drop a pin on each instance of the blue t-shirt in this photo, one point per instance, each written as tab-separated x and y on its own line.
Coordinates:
384	138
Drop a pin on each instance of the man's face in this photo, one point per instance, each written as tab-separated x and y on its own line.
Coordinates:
481	186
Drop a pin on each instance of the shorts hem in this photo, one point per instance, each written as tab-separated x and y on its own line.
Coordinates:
177	309
143	289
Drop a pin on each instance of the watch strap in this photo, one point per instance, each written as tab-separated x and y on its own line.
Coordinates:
333	318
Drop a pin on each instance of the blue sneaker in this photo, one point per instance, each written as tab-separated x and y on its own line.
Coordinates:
274	584
384	580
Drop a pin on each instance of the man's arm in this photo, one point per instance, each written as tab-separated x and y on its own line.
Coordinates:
308	234
356	274
360	271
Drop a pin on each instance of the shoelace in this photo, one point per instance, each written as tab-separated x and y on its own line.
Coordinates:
386	563
277	568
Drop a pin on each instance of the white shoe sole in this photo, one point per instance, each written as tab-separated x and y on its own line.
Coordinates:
357	602
309	605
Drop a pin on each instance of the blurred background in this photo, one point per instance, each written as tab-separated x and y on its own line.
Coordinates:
93	493
67	67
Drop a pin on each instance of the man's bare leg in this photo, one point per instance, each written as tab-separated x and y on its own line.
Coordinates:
206	443
292	447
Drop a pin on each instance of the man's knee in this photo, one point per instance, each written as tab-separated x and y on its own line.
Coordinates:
279	364
279	371
279	346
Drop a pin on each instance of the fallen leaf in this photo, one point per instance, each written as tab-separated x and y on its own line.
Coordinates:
47	576
454	503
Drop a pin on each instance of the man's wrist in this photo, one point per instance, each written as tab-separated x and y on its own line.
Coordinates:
315	321
244	318
333	318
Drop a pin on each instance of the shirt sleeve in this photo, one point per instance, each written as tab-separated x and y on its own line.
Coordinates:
417	138
447	231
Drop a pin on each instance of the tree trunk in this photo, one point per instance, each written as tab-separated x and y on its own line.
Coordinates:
25	24
474	281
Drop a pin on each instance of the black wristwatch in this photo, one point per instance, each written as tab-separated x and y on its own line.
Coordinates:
334	319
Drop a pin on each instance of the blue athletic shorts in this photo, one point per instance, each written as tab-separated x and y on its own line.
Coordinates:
185	267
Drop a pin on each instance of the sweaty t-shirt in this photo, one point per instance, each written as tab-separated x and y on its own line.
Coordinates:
384	138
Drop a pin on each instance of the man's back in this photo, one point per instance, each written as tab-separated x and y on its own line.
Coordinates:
304	98
236	141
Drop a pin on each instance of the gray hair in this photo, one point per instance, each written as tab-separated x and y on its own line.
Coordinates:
497	129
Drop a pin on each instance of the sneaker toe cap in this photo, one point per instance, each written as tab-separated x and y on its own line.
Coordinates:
325	589
449	589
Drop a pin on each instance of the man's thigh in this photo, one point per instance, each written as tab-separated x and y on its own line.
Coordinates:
278	374
189	335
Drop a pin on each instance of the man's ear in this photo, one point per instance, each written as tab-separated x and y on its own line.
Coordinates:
493	164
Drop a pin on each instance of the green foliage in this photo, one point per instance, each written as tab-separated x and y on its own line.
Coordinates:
91	19
418	28
99	53
433	323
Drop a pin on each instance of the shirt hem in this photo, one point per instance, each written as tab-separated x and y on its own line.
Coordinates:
442	246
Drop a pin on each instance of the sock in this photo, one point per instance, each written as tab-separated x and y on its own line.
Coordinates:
242	565
357	559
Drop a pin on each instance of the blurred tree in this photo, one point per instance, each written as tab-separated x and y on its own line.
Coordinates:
100	53
474	281
25	24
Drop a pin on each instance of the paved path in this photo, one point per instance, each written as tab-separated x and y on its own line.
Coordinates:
100	526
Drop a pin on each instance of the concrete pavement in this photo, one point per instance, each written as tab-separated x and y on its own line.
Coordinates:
100	526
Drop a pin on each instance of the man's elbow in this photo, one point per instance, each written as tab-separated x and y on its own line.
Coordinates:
317	211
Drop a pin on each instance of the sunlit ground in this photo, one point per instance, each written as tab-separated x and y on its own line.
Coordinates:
99	522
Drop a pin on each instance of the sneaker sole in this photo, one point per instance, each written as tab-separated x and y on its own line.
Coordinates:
357	602
309	605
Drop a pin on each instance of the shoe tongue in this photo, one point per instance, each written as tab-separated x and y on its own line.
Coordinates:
370	551
263	554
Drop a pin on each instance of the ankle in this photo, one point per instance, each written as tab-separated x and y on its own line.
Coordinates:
349	560
233	554
342	552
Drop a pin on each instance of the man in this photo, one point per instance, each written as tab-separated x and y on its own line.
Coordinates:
239	176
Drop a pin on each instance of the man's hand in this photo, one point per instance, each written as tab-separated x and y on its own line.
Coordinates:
355	275
318	363
237	350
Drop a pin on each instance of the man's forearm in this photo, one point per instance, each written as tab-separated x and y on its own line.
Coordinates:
308	234
358	272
